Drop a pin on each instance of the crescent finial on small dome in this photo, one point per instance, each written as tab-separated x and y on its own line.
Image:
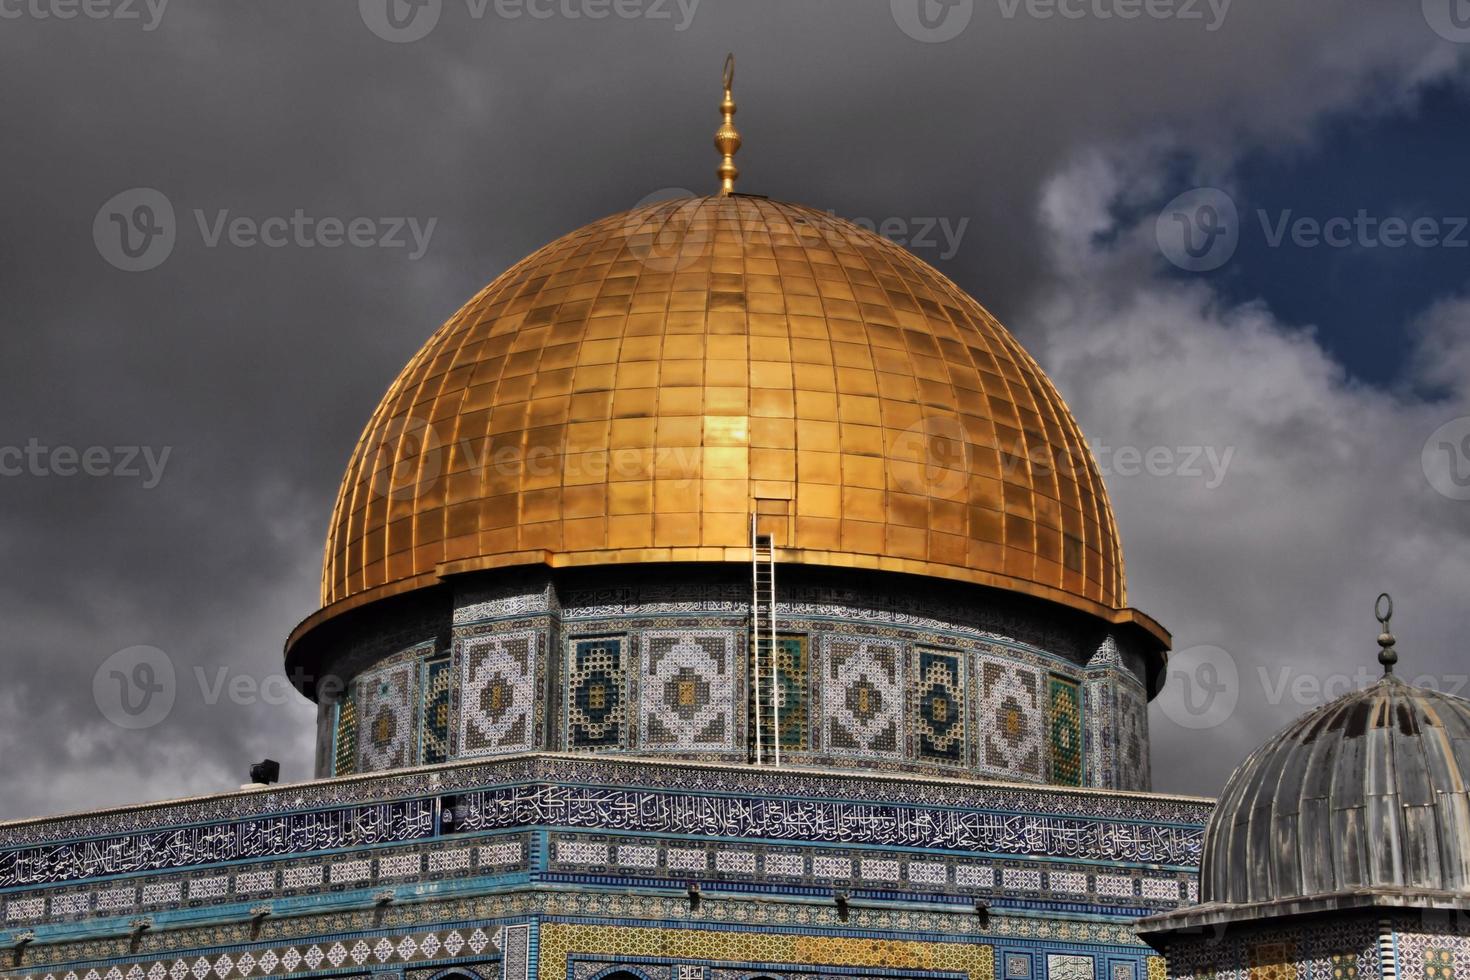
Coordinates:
1383	612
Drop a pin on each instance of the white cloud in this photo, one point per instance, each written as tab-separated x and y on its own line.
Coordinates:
1325	501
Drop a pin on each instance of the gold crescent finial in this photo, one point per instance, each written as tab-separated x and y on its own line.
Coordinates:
727	140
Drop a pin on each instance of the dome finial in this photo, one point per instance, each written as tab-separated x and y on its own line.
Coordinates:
1383	611
727	140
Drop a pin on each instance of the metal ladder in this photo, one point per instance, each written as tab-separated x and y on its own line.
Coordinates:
767	696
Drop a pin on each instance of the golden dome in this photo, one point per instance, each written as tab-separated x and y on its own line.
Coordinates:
633	390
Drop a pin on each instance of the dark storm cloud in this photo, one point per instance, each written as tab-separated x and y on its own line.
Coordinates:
255	364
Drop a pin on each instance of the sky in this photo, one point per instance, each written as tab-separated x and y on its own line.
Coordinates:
1233	233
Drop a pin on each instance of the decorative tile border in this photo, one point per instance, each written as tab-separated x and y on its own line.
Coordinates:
464	914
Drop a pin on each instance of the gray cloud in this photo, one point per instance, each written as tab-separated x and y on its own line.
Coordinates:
258	366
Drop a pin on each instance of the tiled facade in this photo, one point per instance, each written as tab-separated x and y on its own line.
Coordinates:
906	682
565	866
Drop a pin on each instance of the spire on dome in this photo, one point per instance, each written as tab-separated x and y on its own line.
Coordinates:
727	140
1383	612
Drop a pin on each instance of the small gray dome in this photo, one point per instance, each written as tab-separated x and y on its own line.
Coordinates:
1367	792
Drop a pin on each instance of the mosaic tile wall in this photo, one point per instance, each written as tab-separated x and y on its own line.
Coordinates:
660	668
1064	716
687	690
1423	945
1062	891
864	683
386	711
1116	723
568	934
1435	946
1011	722
499	681
437	681
790	715
597	694
939	709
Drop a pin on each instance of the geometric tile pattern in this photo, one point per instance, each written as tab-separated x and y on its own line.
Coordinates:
497	676
864	697
515	945
688	690
1439	964
344	741
940	712
1345	967
385	707
596	708
435	710
844	956
1273	961
1010	720
325	954
1064	716
995	683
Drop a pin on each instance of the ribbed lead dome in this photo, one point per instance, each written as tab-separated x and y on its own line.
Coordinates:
1367	792
631	391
